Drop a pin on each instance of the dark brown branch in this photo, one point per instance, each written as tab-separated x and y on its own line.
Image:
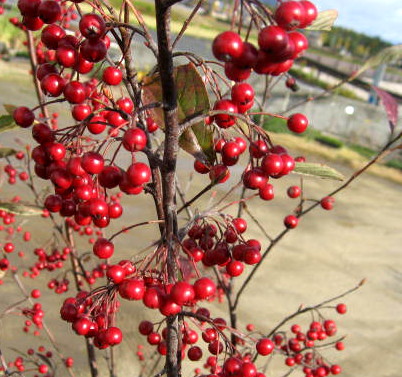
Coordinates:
171	148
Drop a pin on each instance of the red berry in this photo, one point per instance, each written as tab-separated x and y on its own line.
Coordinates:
81	111
273	39
74	92
52	84
23	116
272	164
112	76
182	293
294	192
265	346
92	162
225	120
132	289
50	36
243	96
194	353
145	327
204	288
291	221
138	174
113	336
290	15
116	273
103	248
227	46
93	50
49	11
327	202
310	13
341	308
92	26
297	123
96	124
134	139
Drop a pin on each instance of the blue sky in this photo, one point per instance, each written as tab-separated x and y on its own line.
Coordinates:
381	18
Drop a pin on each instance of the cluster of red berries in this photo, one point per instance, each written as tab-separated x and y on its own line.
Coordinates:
13	173
38	357
226	247
37	13
278	44
35	316
92	321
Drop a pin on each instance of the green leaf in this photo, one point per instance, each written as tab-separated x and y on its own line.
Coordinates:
21	209
385	56
324	21
5	152
9	108
192	98
318	170
7	123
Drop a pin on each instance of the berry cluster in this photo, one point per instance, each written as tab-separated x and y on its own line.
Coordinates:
41	359
278	44
214	246
35	315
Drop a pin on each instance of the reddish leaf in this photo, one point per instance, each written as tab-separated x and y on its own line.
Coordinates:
390	105
192	99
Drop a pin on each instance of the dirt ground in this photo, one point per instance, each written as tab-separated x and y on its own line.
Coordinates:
329	252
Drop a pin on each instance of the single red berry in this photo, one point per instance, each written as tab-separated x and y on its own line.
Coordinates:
81	111
74	92
92	162
93	50
132	289
310	13
194	353
294	192
341	308
267	192
227	46
182	293
23	116
116	273
297	123
273	39
49	11
92	26
225	120
113	336
272	164
97	124
138	174
200	167
290	15
103	248
235	73
112	76
243	96
50	36
134	139
327	202
43	369
265	346
204	288
291	221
